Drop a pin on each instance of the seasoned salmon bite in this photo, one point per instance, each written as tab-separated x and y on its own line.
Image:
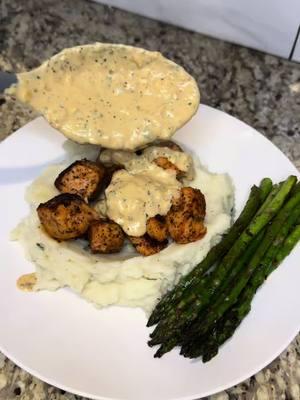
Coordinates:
146	245
157	228
164	163
165	159
66	216
83	177
185	220
105	237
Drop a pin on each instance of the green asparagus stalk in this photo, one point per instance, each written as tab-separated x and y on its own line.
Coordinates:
236	316
240	263
289	244
256	198
265	188
295	189
265	215
169	327
270	196
175	340
208	345
229	297
233	272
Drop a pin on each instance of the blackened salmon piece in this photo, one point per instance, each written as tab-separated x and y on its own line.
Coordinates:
105	237
157	228
83	177
146	245
185	219
66	216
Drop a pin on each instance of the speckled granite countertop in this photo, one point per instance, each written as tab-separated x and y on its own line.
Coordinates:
262	90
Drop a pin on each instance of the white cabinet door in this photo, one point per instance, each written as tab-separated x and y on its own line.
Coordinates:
267	25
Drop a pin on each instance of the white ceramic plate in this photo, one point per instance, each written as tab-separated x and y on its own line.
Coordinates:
103	354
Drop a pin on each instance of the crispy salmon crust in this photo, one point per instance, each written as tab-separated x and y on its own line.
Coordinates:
105	237
185	219
66	216
147	246
83	177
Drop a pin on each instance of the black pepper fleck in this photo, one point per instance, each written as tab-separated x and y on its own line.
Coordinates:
17	391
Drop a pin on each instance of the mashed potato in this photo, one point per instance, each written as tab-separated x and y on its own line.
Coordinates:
126	278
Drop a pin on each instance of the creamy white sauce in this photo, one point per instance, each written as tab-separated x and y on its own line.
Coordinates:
119	157
138	193
117	96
